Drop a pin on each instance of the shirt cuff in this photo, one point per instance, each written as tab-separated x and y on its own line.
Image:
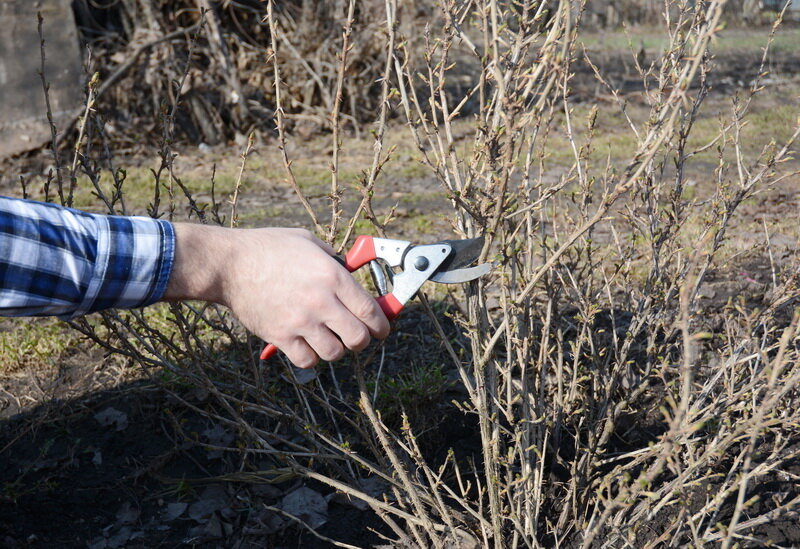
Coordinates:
134	261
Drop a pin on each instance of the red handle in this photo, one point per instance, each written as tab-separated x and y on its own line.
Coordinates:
390	306
362	252
269	352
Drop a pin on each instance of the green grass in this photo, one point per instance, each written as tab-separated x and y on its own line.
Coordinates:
422	224
139	185
38	343
364	226
655	40
412	392
161	317
312	177
736	40
261	216
34	343
410	169
773	116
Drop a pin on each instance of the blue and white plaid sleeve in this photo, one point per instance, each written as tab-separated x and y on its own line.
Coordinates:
64	262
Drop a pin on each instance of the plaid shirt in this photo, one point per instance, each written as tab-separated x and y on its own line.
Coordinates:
64	262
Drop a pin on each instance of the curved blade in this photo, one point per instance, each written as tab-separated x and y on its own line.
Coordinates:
463	253
459	276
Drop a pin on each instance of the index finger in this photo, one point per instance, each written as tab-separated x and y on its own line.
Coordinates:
325	246
363	306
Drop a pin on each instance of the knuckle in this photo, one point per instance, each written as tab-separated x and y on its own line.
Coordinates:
381	327
306	363
302	319
300	354
329	273
304	360
366	307
332	351
359	339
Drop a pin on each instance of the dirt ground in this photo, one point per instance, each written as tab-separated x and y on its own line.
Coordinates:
98	453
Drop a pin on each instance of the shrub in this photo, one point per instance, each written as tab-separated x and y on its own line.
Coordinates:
613	399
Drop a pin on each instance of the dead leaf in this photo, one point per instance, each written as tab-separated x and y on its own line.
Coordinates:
302	376
175	510
211	500
217	436
121	538
127	514
372	486
213	528
307	505
111	416
461	539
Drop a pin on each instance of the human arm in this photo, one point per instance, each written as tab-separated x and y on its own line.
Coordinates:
281	283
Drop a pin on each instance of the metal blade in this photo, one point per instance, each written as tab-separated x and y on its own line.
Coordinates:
463	254
459	276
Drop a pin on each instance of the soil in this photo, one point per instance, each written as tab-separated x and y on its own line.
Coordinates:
109	467
72	480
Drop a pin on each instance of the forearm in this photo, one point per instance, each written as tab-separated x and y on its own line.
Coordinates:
202	253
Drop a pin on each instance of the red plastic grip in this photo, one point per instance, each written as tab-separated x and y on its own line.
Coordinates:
362	252
269	352
390	306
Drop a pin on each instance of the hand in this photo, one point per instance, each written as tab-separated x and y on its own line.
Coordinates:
282	284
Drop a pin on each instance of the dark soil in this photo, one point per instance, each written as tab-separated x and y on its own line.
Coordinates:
109	468
70	481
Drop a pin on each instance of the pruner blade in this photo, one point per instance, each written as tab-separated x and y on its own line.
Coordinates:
463	253
460	276
457	269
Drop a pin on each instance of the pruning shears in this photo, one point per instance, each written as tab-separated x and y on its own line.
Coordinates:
445	262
